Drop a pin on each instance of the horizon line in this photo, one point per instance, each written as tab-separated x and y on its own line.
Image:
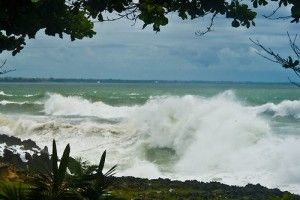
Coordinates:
115	80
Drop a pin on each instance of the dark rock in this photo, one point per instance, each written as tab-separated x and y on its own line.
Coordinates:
39	161
10	140
12	158
193	190
30	145
45	150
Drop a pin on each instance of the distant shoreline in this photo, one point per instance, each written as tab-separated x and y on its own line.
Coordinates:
99	81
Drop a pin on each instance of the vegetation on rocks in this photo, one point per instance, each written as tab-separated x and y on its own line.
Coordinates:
51	181
47	177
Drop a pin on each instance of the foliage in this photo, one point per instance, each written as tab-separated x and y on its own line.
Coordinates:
21	19
83	182
52	186
90	179
287	63
13	191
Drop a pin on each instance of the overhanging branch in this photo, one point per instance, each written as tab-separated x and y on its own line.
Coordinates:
5	71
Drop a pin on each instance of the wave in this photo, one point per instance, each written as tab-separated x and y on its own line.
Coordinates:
285	108
30	95
5	102
179	137
4	94
57	104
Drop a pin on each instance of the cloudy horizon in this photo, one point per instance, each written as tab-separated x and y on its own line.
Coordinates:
121	50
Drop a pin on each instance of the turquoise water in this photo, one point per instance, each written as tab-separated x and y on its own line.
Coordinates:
233	133
132	94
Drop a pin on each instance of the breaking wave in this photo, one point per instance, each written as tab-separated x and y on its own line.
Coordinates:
4	94
285	108
180	137
5	102
57	104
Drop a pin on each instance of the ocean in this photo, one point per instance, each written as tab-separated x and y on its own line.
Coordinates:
231	133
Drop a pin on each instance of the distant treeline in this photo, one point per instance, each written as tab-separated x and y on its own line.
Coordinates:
74	80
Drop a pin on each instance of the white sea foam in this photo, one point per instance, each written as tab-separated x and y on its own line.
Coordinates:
4	94
5	102
29	95
285	108
57	104
217	138
15	149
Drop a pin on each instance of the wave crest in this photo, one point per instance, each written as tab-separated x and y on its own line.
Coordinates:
4	94
57	104
285	108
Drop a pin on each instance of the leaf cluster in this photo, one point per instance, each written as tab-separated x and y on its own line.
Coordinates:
82	182
22	19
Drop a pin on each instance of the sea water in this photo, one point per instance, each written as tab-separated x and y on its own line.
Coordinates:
232	133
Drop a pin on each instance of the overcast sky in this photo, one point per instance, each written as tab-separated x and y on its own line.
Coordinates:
122	51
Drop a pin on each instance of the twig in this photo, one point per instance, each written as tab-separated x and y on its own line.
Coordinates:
5	71
209	28
273	13
294	83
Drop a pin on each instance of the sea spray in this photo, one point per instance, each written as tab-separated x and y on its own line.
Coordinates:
285	108
205	138
57	104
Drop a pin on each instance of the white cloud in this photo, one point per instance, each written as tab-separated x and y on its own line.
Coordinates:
120	50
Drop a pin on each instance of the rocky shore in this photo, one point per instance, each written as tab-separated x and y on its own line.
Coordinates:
17	155
145	189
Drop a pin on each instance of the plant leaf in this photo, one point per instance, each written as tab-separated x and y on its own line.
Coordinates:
101	164
63	165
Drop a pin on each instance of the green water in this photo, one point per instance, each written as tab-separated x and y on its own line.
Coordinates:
137	93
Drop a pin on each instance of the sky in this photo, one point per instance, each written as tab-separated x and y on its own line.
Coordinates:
121	50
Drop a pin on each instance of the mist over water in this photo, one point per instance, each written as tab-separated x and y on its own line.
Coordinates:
235	134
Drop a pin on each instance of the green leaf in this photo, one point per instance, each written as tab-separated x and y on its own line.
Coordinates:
63	165
54	158
235	23
101	164
255	4
75	167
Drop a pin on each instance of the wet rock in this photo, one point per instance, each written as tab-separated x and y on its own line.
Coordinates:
30	145
10	140
12	158
24	155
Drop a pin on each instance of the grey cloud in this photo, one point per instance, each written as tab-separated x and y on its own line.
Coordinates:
120	50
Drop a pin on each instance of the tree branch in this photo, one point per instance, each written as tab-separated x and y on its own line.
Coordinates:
5	71
288	63
209	28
